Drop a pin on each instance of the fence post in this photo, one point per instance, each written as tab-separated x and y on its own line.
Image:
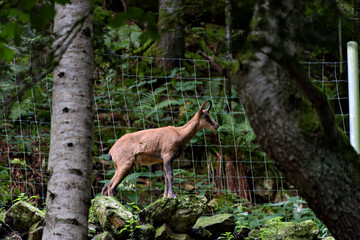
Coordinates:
353	84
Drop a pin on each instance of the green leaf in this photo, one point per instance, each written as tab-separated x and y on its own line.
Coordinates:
149	18
23	17
134	13
8	31
27	5
118	20
17	161
42	16
11	30
150	34
104	157
6	53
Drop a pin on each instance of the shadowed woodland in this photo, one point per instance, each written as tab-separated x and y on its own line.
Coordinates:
154	64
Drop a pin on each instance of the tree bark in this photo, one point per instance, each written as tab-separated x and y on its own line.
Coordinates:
357	20
70	158
171	30
293	121
228	29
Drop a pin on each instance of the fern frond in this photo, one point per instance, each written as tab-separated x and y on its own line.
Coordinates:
213	87
20	109
162	105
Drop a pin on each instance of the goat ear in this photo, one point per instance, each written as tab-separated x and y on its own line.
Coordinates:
209	107
204	104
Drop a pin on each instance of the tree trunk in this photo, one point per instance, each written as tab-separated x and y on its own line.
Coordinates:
228	29
171	30
357	20
70	158
293	121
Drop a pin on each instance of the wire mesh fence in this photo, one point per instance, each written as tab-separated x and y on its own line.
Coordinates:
139	93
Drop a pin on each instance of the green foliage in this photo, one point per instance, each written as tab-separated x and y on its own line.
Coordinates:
5	195
133	223
226	235
149	100
92	216
126	37
267	233
292	210
16	15
131	36
23	197
2	214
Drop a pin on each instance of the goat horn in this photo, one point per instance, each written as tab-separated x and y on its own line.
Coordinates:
208	109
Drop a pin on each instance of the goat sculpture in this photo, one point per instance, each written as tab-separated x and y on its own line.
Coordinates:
152	146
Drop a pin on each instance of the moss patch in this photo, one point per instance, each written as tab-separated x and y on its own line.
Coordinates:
111	214
22	215
217	224
306	230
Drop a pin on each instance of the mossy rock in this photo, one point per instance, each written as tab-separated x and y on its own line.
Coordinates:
163	232
216	224
179	213
111	215
145	232
22	215
103	236
179	236
201	233
306	230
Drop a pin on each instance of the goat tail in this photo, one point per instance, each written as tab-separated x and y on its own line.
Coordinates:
104	190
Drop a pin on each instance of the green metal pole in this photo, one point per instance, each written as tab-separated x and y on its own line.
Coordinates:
353	83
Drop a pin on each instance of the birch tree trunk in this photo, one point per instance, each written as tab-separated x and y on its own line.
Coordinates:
293	121
70	158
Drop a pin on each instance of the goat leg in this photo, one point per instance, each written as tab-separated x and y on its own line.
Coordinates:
166	184
169	179
120	174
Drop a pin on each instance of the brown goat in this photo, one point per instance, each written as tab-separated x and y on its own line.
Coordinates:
152	146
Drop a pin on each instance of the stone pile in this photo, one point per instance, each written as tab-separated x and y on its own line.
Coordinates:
179	218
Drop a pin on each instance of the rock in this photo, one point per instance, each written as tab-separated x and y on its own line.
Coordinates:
179	236
22	215
93	229
200	233
306	230
217	224
112	216
179	213
163	232
7	233
103	236
145	232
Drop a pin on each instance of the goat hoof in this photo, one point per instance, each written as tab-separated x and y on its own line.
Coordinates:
172	195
